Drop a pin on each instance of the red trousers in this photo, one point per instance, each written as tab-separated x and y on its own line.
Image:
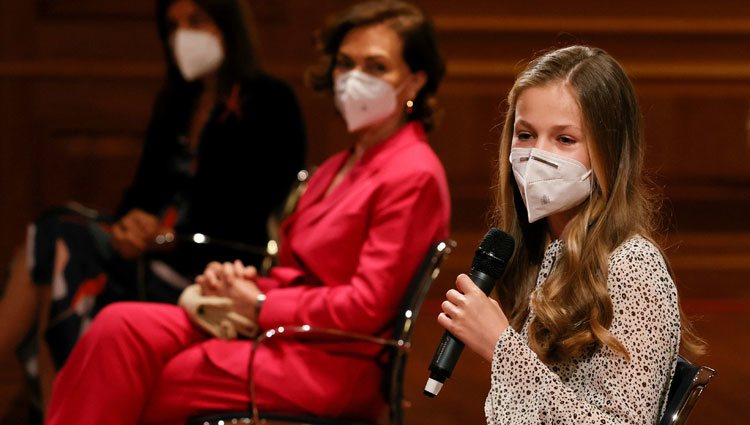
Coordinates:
144	363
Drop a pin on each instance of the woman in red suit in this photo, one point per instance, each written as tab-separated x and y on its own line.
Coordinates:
369	215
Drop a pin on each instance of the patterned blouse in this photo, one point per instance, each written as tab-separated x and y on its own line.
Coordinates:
603	387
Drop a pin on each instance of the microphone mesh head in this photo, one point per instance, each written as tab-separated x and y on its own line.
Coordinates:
493	253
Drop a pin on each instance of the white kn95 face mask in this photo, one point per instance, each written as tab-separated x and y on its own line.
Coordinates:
549	183
197	52
363	99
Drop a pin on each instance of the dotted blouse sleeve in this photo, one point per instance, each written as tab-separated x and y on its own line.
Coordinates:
602	387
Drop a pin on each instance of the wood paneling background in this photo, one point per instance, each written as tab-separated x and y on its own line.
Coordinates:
77	78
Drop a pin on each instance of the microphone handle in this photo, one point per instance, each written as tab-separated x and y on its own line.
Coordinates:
450	348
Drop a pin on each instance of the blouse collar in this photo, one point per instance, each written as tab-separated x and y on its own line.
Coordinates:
551	254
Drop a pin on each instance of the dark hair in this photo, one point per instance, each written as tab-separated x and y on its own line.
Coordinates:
234	20
420	48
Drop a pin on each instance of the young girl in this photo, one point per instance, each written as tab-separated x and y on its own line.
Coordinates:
588	326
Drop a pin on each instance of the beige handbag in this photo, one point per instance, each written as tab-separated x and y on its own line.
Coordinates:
215	315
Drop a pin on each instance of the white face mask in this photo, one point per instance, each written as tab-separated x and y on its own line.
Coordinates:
549	183
363	99
197	52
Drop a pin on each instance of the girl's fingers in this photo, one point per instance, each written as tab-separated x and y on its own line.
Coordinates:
455	297
444	321
465	284
453	311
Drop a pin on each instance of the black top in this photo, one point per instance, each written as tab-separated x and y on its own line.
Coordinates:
247	160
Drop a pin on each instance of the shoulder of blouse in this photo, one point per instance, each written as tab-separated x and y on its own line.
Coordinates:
637	249
638	264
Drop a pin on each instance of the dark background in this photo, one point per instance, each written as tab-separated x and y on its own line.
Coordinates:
77	79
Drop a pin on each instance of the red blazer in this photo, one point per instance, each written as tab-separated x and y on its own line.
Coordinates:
345	262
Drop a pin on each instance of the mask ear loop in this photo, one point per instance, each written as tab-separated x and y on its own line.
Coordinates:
590	224
585	176
588	174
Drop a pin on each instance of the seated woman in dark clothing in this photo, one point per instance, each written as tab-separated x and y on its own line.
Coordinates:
221	152
360	231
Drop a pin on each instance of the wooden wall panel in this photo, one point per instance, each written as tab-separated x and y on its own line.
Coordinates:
116	40
16	157
68	9
108	104
96	166
90	144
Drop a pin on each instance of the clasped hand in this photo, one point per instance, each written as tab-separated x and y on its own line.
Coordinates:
234	281
473	317
135	233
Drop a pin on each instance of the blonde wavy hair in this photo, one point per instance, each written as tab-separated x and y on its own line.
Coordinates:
573	310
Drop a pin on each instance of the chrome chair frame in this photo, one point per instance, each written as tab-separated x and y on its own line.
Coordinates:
687	386
397	349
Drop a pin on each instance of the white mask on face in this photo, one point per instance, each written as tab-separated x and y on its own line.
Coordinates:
549	183
197	52
363	99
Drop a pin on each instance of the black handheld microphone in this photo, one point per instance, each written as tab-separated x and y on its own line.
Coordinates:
487	267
